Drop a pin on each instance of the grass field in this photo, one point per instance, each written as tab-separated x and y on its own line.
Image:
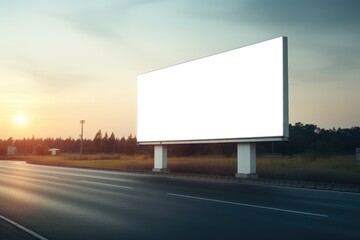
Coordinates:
335	169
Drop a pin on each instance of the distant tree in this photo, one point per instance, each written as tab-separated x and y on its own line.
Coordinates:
122	145
97	141
302	137
111	143
10	142
131	145
41	150
98	135
3	149
104	143
105	138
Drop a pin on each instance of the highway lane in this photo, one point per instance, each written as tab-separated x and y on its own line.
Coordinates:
67	203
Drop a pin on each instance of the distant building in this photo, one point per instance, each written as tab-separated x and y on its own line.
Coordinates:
11	150
54	151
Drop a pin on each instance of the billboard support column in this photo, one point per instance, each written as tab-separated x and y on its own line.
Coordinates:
246	160
160	158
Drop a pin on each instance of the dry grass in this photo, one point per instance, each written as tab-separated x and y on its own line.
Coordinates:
211	165
339	169
98	161
336	169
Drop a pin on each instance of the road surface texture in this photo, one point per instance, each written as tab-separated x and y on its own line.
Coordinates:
42	202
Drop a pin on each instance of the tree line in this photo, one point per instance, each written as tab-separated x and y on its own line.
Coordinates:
303	139
101	143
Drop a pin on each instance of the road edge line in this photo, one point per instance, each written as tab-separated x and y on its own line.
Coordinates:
248	205
32	233
106	184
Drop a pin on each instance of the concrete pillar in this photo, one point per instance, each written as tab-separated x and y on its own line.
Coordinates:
160	158
246	160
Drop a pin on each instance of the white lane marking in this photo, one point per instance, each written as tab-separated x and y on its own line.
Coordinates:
44	176
108	171
28	176
32	233
248	205
299	188
106	184
74	174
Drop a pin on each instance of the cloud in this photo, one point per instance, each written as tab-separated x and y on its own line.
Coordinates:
54	82
107	20
312	15
327	28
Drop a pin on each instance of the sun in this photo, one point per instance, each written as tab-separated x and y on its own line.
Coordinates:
21	119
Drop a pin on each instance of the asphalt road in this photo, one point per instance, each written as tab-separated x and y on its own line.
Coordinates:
66	203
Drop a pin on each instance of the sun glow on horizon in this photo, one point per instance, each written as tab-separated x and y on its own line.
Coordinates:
21	119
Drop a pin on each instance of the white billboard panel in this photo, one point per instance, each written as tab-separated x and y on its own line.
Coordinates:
235	96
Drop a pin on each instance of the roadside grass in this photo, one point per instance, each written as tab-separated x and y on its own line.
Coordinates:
209	165
333	169
330	169
97	161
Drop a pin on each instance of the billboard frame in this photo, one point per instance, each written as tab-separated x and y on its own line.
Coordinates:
285	111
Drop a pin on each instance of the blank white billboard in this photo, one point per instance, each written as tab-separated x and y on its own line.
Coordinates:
235	96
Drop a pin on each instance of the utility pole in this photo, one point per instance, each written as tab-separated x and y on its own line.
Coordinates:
81	138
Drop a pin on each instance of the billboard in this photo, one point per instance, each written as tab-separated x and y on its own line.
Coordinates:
235	96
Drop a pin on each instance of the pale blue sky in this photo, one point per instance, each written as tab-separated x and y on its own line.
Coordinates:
62	61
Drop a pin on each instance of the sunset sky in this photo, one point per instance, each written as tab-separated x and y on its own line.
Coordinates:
63	61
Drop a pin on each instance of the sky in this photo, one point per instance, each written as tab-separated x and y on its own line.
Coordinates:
64	61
